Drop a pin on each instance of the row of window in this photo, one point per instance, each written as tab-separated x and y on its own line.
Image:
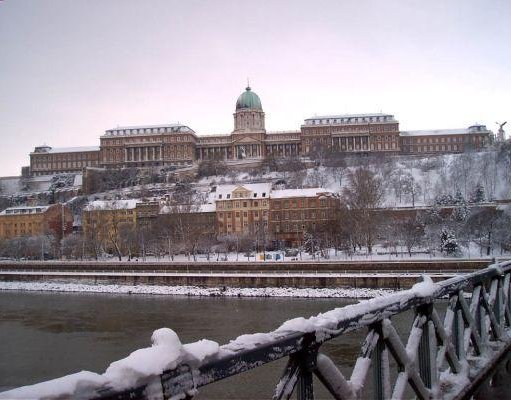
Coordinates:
294	227
349	120
66	157
302	203
238	214
237	227
21	225
142	130
442	139
61	165
240	204
296	215
148	139
424	149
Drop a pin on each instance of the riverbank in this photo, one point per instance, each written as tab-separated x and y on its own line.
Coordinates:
355	293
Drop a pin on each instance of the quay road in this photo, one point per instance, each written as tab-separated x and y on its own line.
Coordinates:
432	265
377	274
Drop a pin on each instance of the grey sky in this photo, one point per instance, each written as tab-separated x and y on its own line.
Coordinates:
70	69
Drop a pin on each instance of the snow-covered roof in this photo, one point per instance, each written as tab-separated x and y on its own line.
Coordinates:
258	191
24	210
349	119
350	116
148	129
195	208
77	149
73	149
310	192
437	132
111	205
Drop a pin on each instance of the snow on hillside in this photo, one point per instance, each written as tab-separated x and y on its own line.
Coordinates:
407	180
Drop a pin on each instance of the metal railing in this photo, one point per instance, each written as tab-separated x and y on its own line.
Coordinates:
441	358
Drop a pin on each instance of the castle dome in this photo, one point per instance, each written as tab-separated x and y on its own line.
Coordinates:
248	100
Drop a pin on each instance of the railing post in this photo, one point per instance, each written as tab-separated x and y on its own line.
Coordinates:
308	360
428	349
381	378
305	385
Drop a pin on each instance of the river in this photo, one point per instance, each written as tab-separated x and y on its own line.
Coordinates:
48	335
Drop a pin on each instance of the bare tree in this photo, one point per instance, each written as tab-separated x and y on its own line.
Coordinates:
410	232
362	196
318	178
481	226
73	246
128	239
212	167
411	188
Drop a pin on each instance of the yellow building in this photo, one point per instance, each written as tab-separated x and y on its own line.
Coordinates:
242	208
34	221
103	220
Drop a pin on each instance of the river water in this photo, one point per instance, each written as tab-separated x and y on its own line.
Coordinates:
48	335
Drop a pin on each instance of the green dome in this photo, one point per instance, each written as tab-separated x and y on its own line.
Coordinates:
248	99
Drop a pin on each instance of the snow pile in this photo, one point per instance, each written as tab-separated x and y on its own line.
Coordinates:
365	312
83	382
426	288
197	291
165	353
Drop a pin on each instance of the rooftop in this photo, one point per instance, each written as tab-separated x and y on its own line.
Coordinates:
148	129
24	210
54	150
310	192
349	119
183	208
98	205
258	191
350	116
439	132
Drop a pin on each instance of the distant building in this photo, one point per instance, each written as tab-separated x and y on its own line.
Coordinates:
351	133
242	208
178	144
102	220
197	221
293	212
442	141
56	220
45	160
148	146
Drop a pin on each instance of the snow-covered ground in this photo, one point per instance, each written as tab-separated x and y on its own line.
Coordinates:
379	254
360	293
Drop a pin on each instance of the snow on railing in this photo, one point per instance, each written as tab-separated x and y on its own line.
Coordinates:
439	359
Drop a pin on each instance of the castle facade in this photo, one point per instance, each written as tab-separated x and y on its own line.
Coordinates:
177	144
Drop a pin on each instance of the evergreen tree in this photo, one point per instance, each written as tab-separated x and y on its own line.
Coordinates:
461	212
445	200
448	243
458	198
478	196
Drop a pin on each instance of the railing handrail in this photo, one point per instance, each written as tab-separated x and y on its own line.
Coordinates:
304	337
281	344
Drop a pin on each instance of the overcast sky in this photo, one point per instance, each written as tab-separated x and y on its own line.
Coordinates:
70	69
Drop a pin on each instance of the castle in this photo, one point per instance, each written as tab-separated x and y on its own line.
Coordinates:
177	144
